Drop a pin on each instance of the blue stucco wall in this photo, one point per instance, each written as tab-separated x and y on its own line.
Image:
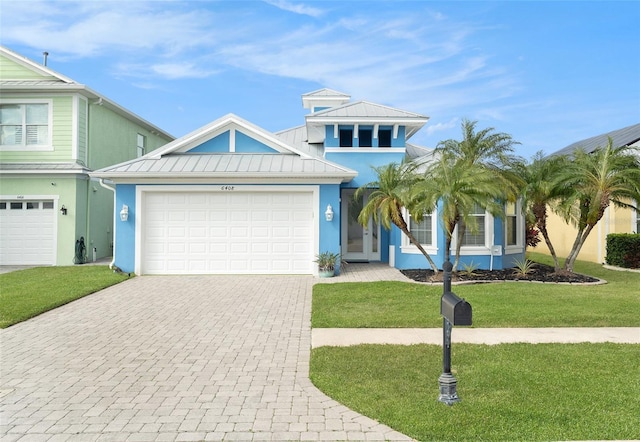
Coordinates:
329	230
125	241
363	164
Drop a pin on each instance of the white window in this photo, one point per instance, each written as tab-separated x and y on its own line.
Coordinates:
511	224
141	144
25	125
477	236
425	232
514	227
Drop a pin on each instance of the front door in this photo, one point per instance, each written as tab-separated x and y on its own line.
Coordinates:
358	243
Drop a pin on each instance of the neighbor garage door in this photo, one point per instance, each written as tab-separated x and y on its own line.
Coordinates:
27	233
227	232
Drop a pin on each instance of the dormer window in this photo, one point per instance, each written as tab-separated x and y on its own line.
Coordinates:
346	137
384	138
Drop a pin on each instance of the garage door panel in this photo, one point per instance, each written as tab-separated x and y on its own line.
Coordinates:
231	232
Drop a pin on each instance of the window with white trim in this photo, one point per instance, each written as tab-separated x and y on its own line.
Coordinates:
511	224
477	237
25	125
141	144
424	231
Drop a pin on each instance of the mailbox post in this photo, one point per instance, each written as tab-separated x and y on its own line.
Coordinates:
454	311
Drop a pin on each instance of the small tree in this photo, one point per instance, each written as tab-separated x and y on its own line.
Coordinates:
389	194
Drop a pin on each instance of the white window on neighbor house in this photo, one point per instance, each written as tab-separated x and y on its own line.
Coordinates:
25	125
424	232
141	144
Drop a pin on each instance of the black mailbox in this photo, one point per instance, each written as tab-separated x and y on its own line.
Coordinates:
455	309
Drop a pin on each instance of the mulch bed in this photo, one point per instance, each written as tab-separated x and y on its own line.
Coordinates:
539	273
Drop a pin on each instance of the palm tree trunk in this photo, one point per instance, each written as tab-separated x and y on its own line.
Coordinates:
540	212
581	237
461	229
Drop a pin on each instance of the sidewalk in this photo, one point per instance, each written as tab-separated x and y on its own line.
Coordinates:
342	337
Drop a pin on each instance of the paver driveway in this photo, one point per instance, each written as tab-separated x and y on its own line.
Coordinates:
173	358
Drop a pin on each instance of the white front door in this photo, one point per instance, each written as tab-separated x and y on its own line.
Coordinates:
359	243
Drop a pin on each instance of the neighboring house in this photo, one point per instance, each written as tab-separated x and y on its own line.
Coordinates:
232	197
53	132
614	220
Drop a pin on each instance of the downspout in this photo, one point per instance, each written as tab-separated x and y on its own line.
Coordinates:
113	260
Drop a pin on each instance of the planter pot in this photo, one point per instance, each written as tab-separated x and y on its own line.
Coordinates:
325	273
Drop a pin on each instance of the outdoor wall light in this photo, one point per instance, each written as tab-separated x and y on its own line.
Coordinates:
63	210
328	215
124	213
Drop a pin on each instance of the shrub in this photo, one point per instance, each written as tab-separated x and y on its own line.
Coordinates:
623	250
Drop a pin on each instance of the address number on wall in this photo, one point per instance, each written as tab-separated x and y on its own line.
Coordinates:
228	188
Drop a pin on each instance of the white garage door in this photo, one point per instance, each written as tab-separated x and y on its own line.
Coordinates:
227	232
27	233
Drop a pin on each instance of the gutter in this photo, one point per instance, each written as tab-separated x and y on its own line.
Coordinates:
113	260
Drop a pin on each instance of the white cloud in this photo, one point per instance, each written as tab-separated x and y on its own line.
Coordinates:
297	8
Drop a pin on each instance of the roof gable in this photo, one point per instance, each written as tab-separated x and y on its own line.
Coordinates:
14	66
229	134
231	141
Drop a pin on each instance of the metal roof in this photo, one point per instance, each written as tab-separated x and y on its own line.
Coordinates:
326	93
365	109
620	137
22	168
226	165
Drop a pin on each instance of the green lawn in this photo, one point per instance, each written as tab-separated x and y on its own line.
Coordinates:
508	304
509	392
28	293
514	392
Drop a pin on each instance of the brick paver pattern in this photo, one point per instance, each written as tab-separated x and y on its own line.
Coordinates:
173	358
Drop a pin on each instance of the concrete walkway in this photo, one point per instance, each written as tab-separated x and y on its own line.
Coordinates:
342	337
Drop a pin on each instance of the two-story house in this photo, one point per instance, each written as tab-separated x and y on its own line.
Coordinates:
232	197
53	132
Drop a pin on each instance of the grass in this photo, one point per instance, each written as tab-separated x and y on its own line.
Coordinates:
509	392
28	293
515	392
508	304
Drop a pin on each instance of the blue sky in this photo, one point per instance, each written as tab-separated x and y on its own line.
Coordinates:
547	72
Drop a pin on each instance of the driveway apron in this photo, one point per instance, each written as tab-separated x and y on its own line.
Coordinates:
173	358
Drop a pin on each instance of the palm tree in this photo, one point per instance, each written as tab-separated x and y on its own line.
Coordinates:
542	190
484	156
458	187
593	181
389	194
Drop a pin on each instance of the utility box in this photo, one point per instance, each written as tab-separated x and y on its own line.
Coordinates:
455	309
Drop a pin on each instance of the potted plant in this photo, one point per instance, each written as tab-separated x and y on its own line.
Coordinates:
327	263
